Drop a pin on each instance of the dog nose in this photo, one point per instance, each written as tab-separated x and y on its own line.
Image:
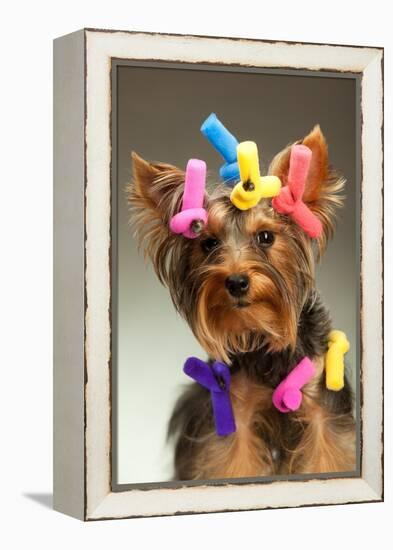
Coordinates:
237	284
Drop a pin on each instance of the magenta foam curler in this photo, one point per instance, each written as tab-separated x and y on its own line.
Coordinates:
192	218
287	396
290	199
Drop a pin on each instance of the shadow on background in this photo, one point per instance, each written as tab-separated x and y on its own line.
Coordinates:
45	499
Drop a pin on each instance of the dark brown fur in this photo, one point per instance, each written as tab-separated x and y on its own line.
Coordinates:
262	336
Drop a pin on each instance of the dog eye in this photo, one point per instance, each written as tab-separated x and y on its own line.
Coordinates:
265	238
209	244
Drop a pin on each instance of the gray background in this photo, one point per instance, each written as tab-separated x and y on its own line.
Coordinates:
159	113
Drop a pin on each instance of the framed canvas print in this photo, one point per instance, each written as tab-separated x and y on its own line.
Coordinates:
218	274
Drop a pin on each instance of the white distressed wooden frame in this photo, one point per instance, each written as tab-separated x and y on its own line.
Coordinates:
82	403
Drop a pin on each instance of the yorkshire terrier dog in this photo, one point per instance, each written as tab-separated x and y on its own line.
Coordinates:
247	289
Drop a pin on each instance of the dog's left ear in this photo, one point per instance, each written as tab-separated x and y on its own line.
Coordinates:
323	186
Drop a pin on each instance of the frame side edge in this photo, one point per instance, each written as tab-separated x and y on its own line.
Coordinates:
373	180
68	253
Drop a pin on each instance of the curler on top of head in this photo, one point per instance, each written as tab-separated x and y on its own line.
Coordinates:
290	199
192	218
226	144
252	187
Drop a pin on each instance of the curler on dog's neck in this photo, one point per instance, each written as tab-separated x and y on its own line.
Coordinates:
192	218
287	396
216	378
338	345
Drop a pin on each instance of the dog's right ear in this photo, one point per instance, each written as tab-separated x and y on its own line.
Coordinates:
156	189
154	196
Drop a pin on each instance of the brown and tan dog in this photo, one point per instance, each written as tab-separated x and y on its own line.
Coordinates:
247	289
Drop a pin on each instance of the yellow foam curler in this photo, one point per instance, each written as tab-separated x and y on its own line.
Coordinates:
247	157
338	346
252	187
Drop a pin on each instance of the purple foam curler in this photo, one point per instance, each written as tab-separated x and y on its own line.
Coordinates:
192	218
217	379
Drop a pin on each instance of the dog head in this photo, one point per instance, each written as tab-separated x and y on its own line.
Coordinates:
244	281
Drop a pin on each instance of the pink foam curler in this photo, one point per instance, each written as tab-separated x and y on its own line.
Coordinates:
289	201
193	217
287	396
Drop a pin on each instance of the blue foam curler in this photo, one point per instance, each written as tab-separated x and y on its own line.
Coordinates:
220	138
230	172
226	144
